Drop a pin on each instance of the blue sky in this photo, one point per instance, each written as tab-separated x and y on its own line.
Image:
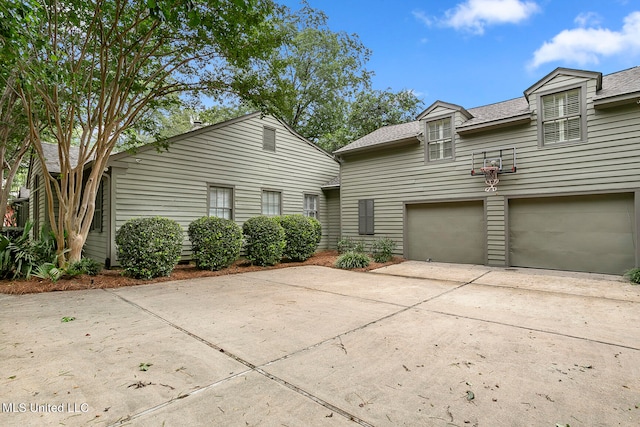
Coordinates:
478	52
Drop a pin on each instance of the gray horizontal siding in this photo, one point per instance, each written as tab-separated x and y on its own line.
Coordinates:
607	161
175	183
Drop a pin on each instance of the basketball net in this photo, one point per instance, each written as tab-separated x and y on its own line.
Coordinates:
490	178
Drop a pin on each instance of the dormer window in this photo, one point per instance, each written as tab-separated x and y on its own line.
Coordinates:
439	139
561	117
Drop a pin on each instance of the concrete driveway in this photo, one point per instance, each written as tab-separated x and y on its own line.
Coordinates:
414	344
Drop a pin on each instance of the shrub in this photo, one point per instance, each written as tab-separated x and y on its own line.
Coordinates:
264	240
633	275
216	242
49	271
20	256
149	247
301	234
382	250
350	260
86	266
348	244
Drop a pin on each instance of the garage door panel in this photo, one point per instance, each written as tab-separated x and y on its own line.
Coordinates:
446	232
583	233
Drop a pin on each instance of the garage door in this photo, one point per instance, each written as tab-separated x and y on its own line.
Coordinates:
582	233
446	232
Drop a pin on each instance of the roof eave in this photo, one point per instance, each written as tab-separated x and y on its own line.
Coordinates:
379	146
495	124
618	100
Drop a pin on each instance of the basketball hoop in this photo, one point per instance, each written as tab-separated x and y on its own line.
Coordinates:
490	177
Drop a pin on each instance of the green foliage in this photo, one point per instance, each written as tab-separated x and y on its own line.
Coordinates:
302	236
349	260
149	247
216	242
49	271
264	240
19	255
84	266
382	249
348	244
633	275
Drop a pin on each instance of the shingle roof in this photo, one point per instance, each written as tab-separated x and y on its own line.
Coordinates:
333	183
617	84
384	135
620	83
52	160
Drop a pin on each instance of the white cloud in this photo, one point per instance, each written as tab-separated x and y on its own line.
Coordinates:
421	16
475	15
587	45
587	19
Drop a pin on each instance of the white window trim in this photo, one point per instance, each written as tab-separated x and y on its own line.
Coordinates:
233	199
582	87
440	141
262	201
316	209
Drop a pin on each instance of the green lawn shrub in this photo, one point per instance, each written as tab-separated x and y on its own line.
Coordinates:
149	247
264	240
302	235
86	266
348	244
382	249
633	275
349	260
216	242
20	256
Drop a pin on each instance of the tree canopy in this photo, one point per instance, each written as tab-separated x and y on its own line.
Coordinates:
88	70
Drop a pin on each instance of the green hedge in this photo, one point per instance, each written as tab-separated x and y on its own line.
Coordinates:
302	236
349	260
264	240
216	242
149	247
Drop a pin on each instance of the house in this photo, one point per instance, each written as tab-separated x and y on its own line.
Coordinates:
248	166
566	156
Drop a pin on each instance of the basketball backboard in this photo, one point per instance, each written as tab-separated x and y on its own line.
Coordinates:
502	158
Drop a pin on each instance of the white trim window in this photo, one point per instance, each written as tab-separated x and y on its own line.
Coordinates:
311	205
271	203
439	140
221	202
561	117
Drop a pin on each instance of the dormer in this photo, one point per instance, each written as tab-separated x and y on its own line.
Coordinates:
439	122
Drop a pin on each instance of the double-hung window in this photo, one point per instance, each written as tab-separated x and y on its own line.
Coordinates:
271	203
561	117
311	205
221	202
439	139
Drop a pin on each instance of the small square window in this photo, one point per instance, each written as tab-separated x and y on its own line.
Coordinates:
271	203
311	205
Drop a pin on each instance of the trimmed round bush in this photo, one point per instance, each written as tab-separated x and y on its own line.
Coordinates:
302	235
149	247
349	260
382	249
264	240
216	242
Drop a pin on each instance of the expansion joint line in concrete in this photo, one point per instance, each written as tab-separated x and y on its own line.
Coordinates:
238	359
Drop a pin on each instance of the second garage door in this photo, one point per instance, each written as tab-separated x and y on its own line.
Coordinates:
446	232
594	233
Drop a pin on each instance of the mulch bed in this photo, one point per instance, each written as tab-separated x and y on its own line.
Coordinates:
115	279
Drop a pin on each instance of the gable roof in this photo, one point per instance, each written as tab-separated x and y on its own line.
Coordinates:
52	160
405	132
203	129
613	89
